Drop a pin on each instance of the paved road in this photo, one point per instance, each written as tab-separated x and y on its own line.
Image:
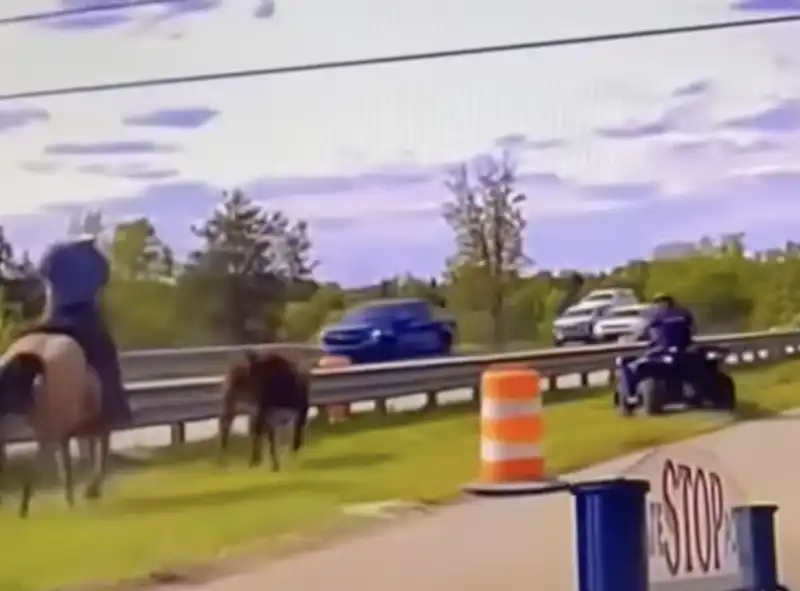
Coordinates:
520	544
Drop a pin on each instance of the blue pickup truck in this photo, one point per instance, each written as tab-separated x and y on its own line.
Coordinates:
389	330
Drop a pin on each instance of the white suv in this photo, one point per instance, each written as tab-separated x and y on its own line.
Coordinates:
618	296
577	322
622	323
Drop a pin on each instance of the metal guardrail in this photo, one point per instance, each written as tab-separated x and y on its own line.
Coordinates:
156	364
176	402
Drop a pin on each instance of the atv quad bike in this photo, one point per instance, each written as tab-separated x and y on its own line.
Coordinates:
693	378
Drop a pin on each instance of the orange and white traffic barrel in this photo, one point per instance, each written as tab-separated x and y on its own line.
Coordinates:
336	413
512	459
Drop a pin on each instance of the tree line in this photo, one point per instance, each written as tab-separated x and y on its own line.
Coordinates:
251	278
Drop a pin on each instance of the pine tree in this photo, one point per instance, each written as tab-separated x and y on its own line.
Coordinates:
249	259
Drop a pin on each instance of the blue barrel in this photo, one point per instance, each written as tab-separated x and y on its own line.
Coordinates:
611	535
755	530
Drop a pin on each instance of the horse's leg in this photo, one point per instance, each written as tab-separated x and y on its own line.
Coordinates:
88	450
102	445
35	474
65	467
85	451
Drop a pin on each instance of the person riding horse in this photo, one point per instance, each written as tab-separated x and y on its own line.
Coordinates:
75	273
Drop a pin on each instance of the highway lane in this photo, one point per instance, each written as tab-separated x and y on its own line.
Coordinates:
151	437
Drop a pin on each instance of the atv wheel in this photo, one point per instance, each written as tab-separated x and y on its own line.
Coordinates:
652	393
724	392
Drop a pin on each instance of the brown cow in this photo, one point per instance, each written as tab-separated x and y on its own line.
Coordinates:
275	392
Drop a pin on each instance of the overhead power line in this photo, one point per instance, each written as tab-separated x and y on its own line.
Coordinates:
393	59
89	9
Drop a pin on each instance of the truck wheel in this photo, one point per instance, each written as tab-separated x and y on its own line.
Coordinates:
652	393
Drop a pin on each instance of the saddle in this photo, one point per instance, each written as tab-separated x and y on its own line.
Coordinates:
78	334
101	355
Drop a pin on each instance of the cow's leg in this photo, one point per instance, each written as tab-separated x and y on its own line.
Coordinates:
226	418
272	432
257	428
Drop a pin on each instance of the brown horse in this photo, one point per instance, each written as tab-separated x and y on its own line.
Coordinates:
46	379
275	391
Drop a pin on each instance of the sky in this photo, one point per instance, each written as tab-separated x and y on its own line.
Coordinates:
619	147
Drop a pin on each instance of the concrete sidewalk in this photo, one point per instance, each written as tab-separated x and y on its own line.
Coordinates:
524	543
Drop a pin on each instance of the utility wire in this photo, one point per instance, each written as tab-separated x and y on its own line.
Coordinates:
393	59
90	9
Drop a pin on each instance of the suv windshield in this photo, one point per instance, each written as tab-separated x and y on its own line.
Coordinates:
628	313
599	297
579	312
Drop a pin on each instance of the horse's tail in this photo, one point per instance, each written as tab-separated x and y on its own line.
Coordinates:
17	379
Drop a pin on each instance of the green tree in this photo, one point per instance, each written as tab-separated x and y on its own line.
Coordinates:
138	253
249	257
303	320
141	299
487	220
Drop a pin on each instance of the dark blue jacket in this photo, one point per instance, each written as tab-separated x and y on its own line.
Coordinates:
670	327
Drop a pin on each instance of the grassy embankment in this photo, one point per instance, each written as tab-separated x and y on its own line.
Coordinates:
182	508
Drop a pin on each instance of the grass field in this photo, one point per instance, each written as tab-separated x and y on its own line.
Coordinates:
183	508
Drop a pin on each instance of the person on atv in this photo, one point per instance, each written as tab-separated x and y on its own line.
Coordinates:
670	328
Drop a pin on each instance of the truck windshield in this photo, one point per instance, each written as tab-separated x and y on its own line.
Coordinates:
387	311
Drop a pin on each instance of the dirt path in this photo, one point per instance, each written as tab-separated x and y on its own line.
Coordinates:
514	544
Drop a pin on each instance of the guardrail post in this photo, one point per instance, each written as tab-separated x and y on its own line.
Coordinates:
431	400
552	383
584	383
611	535
612	376
177	433
381	406
476	393
755	529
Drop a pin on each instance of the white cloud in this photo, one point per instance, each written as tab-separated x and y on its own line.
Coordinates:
348	122
314	123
